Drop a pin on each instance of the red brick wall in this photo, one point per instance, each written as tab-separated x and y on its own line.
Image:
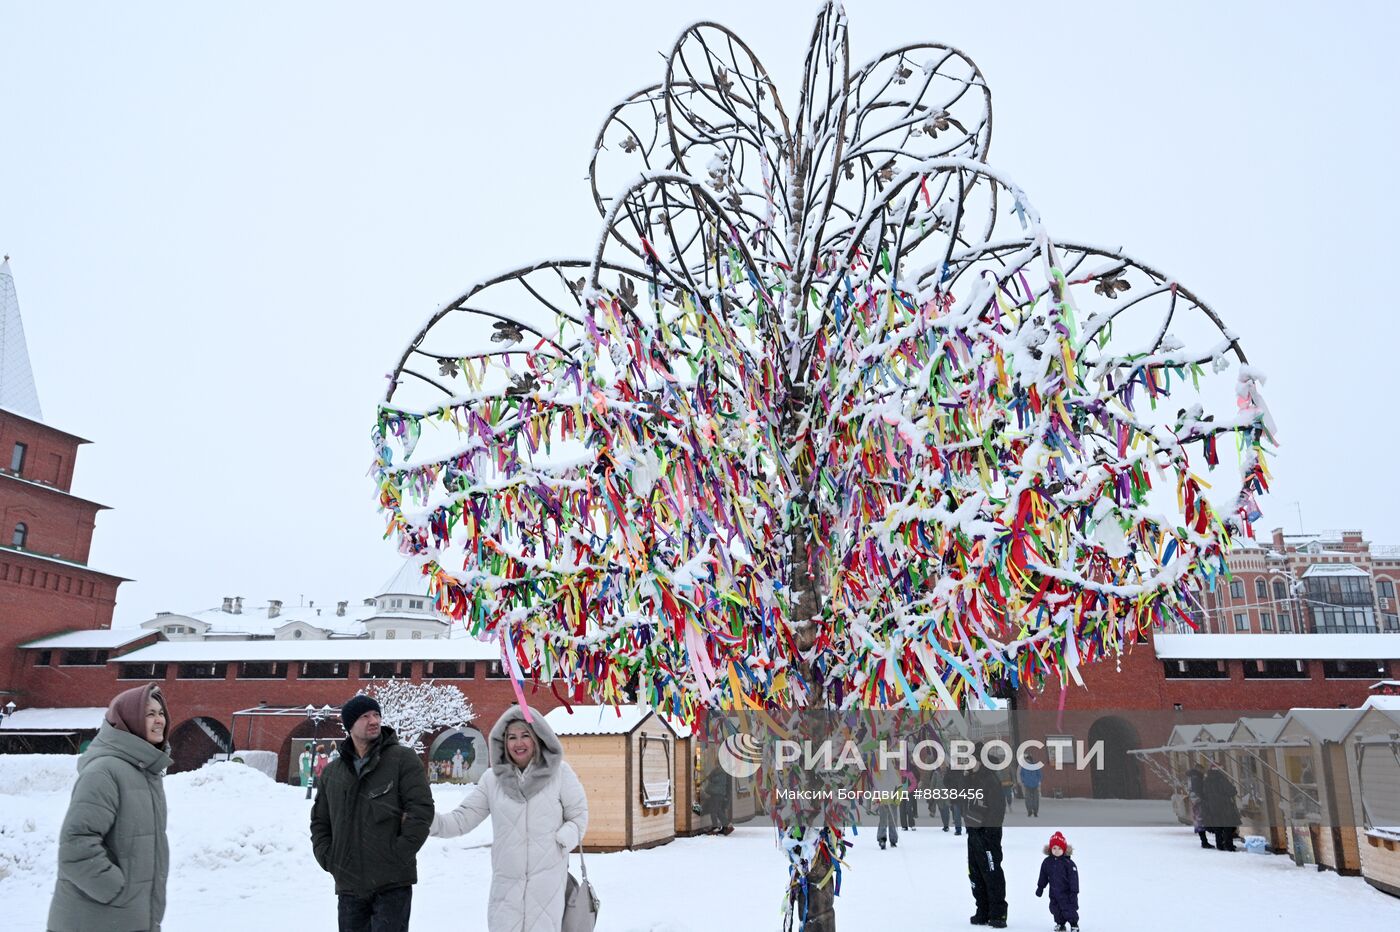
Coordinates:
38	597
56	686
58	524
1139	682
51	454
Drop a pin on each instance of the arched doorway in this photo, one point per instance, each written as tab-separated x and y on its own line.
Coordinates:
1120	776
458	755
197	741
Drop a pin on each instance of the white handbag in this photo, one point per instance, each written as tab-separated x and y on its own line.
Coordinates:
580	902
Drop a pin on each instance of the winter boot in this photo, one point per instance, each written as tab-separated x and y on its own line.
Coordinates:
1059	927
977	920
997	923
882	846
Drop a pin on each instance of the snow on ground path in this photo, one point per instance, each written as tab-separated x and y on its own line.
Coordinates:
241	856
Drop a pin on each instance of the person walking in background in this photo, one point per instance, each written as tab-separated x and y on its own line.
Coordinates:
304	762
1221	814
1195	798
717	799
372	813
941	785
1059	874
539	813
1031	773
888	785
908	804
113	856
984	809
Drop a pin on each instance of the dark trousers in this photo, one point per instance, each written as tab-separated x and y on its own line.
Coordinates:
1032	800
908	812
386	911
1225	838
984	870
1064	908
953	810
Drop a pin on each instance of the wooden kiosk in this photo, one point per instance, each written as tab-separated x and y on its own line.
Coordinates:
626	759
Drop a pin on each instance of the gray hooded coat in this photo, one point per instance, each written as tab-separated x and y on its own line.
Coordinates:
112	852
538	816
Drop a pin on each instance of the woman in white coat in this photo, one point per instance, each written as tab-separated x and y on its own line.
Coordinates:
538	815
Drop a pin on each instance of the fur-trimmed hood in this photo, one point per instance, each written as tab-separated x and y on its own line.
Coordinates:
522	784
1069	849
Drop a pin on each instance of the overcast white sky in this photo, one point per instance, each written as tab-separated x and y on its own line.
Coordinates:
226	220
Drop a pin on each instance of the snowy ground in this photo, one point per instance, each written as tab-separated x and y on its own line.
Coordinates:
240	856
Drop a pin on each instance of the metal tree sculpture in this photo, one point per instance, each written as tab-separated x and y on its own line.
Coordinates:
827	419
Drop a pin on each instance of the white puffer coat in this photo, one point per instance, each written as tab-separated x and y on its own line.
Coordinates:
537	817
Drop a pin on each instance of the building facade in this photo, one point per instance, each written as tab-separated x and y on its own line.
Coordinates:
46	584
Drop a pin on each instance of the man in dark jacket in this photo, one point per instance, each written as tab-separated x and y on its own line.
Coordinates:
1219	811
372	813
984	810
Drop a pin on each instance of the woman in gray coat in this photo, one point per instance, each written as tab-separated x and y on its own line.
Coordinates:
112	853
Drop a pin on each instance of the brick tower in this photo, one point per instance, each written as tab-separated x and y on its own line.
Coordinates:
46	586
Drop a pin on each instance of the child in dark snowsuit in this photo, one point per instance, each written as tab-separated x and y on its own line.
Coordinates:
1058	873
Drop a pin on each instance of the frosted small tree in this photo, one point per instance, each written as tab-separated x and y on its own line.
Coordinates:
825	419
416	709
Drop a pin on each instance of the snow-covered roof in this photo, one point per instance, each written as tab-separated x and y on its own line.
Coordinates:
597	719
93	639
1219	731
17	391
223	651
1263	729
63	719
1378	684
1385	703
73	564
47	487
1277	646
1323	724
407	580
1334	569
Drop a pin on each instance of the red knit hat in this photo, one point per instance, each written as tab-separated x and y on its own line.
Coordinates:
1057	840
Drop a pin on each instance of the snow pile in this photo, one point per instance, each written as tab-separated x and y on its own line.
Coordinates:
36	774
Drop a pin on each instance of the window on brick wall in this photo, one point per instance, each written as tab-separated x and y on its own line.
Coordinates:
1275	670
1385	588
496	672
325	670
1195	670
84	658
262	670
1241	621
1353	669
17	458
1261	589
141	671
452	669
383	669
1237	589
20	536
1390	622
1266	621
202	671
43	658
1285	621
1280	590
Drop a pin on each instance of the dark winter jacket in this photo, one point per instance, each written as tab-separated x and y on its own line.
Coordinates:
1218	809
366	828
988	811
1062	877
113	857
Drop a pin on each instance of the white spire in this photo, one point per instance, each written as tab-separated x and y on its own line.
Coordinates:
17	391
